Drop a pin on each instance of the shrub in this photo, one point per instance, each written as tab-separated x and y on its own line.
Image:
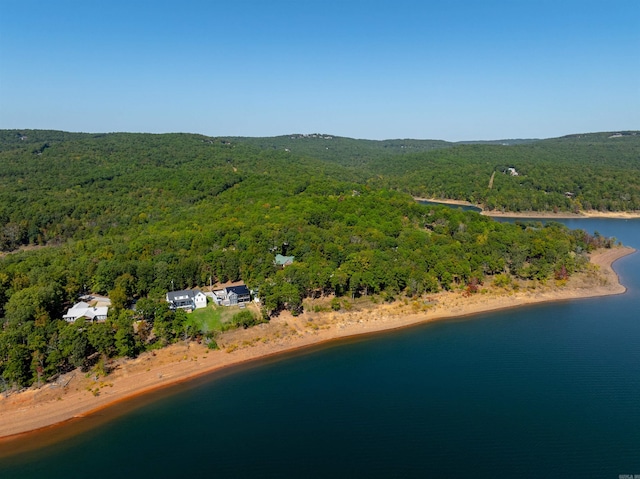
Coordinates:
502	280
244	319
335	304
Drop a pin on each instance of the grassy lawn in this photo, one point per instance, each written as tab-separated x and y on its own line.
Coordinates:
213	317
207	319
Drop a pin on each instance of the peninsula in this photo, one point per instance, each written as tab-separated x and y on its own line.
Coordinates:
74	397
107	240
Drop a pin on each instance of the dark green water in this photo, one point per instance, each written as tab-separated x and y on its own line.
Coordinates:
462	207
545	391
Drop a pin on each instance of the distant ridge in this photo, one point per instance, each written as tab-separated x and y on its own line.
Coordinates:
26	136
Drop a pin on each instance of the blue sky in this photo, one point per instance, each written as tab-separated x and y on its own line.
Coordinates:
442	69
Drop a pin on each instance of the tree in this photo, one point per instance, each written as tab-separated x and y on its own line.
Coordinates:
244	319
33	302
101	338
79	347
124	336
179	326
163	326
127	283
118	297
146	309
15	359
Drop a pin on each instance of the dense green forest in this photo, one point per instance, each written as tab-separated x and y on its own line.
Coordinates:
135	215
596	171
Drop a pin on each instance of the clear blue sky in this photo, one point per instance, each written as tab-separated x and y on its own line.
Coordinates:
442	69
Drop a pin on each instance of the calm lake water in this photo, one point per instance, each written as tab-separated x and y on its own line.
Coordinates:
462	207
548	391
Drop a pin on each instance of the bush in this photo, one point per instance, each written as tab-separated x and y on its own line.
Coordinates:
335	304
210	339
244	319
502	280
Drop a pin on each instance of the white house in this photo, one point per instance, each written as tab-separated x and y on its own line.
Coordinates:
187	299
84	310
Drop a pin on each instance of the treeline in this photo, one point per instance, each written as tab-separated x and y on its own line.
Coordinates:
353	152
134	216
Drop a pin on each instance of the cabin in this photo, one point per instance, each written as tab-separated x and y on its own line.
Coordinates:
188	299
283	261
85	310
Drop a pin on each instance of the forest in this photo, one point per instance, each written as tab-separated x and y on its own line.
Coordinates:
595	171
133	216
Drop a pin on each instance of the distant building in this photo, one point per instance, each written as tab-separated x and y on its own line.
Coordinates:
187	299
84	310
283	260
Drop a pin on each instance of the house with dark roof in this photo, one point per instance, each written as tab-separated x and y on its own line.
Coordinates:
238	294
233	295
187	299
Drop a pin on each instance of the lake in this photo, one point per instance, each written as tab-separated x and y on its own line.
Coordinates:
477	209
545	391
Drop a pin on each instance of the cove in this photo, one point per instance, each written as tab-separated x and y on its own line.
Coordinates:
463	207
544	391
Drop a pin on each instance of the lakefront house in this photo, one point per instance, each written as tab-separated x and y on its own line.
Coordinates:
232	295
84	310
189	299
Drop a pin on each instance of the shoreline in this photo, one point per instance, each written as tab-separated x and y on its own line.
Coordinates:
30	415
619	215
538	214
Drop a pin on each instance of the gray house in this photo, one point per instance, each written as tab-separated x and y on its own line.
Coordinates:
232	295
238	294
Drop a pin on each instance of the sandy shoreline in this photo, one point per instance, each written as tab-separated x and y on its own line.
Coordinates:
620	215
77	395
540	214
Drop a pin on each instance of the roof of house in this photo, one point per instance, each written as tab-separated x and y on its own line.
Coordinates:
82	309
241	290
283	260
183	294
178	295
81	306
96	312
